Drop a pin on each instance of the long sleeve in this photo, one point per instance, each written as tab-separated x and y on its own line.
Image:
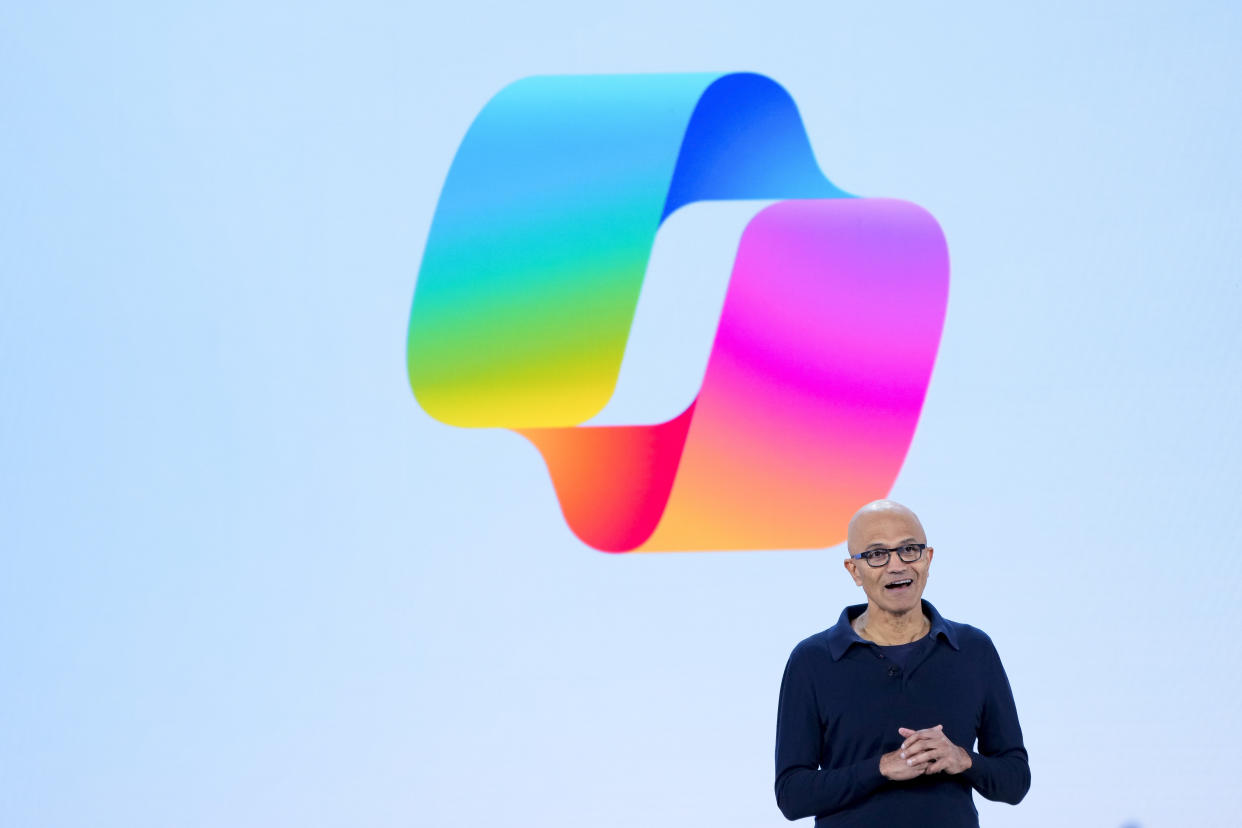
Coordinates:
802	788
1000	770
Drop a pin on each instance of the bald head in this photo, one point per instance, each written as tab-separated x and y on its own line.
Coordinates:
882	516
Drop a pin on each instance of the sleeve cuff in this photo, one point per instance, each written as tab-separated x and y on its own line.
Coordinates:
975	774
867	772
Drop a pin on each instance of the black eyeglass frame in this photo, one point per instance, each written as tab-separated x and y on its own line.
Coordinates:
880	557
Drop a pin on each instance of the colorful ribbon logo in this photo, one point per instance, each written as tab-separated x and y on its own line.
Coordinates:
532	271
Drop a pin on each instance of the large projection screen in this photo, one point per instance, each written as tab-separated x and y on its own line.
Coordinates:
249	581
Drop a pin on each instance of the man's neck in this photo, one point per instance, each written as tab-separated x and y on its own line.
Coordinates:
889	628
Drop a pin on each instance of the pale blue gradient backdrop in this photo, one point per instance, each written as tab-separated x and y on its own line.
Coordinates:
247	582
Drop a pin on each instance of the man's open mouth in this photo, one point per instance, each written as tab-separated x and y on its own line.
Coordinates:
899	584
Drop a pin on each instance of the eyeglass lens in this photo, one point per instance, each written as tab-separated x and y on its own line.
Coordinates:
909	554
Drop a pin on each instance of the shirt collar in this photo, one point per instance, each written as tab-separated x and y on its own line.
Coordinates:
841	635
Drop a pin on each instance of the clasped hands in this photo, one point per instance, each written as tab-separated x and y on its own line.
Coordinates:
923	752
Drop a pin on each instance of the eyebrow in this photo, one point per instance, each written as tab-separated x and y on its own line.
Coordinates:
878	545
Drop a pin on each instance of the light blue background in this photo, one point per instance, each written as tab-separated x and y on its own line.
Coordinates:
247	582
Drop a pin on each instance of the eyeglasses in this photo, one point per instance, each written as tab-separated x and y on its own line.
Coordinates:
909	553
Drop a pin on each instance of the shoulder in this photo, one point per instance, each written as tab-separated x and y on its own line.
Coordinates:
812	655
812	647
827	645
968	634
810	665
972	641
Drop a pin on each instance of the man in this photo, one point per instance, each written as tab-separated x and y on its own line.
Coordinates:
879	714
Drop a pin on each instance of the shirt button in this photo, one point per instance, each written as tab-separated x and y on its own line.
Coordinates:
893	671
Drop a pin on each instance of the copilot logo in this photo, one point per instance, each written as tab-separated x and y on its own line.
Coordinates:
532	271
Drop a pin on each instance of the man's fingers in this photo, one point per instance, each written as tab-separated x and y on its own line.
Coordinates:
916	736
936	761
916	749
927	750
931	733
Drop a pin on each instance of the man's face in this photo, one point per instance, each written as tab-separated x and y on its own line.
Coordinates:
897	586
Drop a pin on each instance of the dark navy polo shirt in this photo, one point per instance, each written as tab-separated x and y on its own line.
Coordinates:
842	702
903	654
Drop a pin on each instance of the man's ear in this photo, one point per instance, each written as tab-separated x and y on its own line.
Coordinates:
852	568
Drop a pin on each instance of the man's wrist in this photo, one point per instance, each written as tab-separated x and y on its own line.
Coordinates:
974	769
892	760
